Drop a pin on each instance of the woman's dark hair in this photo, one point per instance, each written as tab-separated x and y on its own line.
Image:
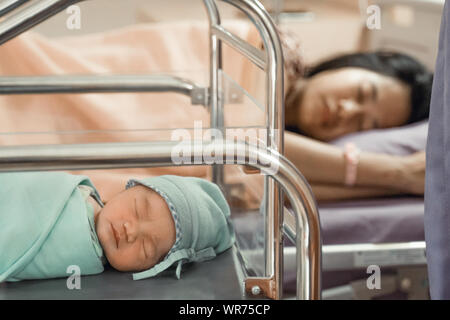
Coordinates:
397	65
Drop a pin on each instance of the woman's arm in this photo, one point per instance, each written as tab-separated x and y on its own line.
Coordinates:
325	193
324	164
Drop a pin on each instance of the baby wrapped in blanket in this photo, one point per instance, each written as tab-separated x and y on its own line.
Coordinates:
52	220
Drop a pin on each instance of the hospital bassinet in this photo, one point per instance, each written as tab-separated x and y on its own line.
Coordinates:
21	17
263	261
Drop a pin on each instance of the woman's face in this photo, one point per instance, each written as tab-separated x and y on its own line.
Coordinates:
136	229
346	100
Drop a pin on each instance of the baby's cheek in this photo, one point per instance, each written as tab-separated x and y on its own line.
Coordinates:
153	257
126	259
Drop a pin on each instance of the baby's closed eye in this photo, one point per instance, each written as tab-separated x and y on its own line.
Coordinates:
148	253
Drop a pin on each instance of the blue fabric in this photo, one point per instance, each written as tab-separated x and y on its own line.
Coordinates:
437	189
45	226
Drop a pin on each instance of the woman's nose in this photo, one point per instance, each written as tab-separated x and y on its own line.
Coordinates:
348	109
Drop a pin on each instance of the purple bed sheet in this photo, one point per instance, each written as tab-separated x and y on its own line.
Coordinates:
396	219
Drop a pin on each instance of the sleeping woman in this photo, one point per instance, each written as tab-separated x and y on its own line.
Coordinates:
352	93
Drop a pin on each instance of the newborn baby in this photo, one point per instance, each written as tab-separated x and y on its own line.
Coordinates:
151	225
136	229
159	221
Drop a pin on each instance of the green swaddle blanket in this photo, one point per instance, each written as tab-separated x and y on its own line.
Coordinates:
46	225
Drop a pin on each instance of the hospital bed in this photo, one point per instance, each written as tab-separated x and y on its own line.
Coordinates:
389	231
281	248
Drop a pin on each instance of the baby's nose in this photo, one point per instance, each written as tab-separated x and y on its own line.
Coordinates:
130	232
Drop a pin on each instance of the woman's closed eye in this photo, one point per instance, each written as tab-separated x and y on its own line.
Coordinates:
360	94
366	91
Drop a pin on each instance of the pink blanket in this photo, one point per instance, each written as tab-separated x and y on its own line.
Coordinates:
178	48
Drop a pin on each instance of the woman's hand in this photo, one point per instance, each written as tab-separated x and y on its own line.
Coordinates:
413	173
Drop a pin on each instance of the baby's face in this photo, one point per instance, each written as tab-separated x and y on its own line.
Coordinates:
135	229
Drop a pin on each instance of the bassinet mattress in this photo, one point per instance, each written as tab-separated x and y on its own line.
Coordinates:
214	279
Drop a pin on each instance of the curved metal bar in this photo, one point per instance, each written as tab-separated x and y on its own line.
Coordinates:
274	69
9	5
30	16
255	55
152	154
101	83
215	66
94	83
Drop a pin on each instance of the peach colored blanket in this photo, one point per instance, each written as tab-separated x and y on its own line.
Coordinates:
178	48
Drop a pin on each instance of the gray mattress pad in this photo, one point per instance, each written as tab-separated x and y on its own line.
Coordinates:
209	280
